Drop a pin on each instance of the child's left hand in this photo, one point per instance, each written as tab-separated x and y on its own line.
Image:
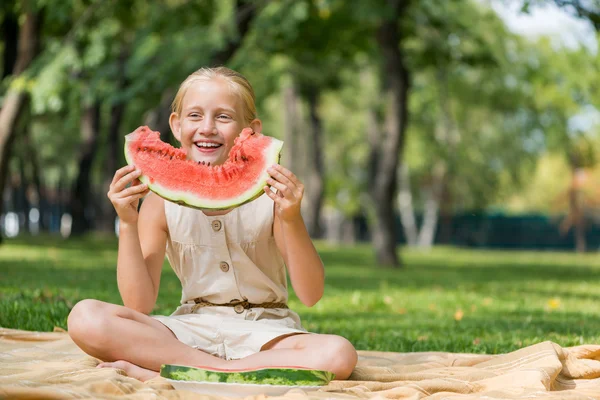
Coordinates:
289	192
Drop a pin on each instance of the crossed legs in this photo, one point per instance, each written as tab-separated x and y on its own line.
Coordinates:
139	344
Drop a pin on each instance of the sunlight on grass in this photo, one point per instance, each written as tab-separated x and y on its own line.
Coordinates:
450	299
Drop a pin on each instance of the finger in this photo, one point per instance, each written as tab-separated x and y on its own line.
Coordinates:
287	173
283	189
125	201
275	191
274	196
276	173
121	173
124	181
134	189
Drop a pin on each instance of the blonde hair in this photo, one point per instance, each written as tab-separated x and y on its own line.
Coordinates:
237	83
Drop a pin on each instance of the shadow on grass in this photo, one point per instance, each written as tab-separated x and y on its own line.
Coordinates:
453	277
529	323
491	334
357	269
38	293
27	275
90	242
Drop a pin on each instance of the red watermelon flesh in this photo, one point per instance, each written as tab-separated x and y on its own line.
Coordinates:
169	173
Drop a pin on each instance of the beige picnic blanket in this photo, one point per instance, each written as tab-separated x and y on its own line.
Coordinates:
48	365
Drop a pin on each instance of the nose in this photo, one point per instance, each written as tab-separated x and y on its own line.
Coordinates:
208	127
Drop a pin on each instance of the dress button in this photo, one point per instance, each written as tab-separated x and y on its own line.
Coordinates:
216	225
239	308
224	266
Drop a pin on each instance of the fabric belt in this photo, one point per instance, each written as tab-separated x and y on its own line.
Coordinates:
238	306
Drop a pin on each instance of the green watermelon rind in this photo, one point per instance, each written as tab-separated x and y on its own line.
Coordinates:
265	376
191	200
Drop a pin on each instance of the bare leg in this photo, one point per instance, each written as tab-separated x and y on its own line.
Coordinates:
130	369
315	351
142	344
111	332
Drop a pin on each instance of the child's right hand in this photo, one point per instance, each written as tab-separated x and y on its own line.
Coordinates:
126	199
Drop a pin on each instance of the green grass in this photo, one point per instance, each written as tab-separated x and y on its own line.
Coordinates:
450	299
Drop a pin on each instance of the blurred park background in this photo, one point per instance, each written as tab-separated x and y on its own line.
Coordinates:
458	141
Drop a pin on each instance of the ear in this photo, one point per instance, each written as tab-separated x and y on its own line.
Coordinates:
256	125
175	125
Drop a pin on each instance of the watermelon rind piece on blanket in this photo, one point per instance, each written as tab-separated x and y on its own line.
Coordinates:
287	376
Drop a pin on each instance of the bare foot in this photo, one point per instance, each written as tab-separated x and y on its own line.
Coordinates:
130	369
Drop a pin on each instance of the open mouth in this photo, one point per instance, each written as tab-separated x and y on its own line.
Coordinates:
208	147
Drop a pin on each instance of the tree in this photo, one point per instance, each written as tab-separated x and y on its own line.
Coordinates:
15	99
387	142
469	127
104	67
585	9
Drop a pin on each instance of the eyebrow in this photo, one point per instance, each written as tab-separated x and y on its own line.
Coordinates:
227	109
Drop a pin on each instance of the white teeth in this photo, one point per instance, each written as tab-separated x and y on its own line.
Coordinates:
208	144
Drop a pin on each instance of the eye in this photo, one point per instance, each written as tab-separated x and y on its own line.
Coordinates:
224	117
194	115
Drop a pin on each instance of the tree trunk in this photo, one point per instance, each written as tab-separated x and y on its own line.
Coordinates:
406	208
424	236
158	118
23	205
445	236
37	182
386	156
108	214
63	192
315	169
81	196
10	36
36	199
290	127
577	211
14	100
432	206
245	12
447	137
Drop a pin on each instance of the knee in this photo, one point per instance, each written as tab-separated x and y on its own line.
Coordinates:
87	321
342	357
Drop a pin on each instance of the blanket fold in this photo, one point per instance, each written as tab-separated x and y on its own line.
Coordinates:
48	365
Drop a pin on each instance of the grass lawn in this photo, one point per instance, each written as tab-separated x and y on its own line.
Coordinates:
457	300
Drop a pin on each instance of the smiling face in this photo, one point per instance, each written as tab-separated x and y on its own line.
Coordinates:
211	117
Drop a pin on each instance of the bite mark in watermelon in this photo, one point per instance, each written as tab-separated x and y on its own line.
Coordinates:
167	171
287	376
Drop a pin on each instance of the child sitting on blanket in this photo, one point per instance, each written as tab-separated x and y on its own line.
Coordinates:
231	264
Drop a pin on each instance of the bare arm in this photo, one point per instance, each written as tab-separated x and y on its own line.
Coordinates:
301	258
303	262
142	240
141	256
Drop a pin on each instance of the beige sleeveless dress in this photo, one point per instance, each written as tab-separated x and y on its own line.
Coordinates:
227	258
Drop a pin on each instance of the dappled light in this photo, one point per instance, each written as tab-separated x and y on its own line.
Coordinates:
394	177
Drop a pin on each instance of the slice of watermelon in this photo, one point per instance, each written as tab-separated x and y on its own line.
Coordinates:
283	376
167	171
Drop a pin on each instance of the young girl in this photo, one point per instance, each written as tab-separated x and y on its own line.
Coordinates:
231	264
